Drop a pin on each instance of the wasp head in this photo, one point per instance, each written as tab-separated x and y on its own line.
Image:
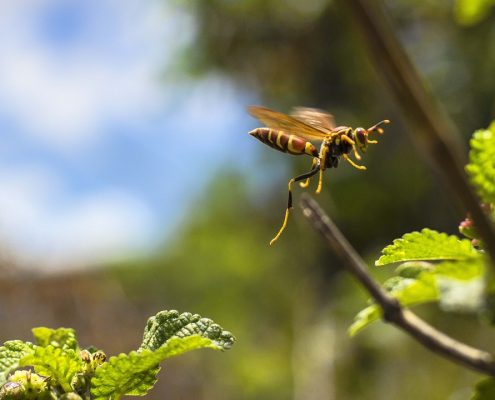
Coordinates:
361	138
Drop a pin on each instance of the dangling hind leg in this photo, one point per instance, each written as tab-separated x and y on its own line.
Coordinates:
307	175
305	184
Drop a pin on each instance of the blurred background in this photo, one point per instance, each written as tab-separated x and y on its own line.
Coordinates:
129	184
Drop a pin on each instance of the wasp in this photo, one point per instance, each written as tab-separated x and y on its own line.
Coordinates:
295	134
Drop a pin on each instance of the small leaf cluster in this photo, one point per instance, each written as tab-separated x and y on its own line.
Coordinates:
481	167
455	279
442	268
55	367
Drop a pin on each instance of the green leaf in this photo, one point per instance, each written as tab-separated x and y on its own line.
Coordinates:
484	390
407	290
481	167
166	335
135	373
64	338
426	245
469	12
364	318
10	354
457	285
414	291
61	365
167	324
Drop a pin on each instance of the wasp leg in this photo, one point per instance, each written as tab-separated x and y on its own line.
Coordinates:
307	175
346	157
305	184
323	163
347	139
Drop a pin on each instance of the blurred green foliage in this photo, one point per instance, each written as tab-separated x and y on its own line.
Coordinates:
289	304
485	390
469	12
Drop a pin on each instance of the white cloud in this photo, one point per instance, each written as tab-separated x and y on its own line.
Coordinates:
67	95
57	100
39	225
64	94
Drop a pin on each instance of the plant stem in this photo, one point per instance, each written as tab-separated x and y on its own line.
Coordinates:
392	311
433	130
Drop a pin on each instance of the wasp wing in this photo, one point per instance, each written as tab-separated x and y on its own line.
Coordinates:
287	123
318	119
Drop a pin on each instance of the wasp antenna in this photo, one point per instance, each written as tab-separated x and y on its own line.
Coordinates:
377	128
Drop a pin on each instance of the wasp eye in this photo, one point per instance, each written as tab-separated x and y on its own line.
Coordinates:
361	135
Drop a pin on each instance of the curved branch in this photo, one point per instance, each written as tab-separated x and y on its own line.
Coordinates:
392	311
434	131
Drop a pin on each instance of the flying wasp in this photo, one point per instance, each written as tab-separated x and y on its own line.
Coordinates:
295	133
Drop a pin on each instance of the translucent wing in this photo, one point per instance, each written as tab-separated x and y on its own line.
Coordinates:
288	124
316	118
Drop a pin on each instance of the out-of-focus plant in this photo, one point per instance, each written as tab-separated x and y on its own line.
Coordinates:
440	267
434	267
470	12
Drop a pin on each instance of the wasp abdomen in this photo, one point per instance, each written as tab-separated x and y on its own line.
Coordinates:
279	140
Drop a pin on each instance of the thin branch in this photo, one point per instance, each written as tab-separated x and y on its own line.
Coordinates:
392	311
433	130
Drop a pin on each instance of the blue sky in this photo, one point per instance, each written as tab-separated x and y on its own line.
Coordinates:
102	152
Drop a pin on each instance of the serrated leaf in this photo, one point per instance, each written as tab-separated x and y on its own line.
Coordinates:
64	338
457	285
167	324
427	245
135	373
481	167
60	365
484	390
10	354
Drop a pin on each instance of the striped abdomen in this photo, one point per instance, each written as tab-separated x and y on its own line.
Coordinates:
282	141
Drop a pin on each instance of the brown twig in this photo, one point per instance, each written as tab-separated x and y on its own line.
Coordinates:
392	311
433	129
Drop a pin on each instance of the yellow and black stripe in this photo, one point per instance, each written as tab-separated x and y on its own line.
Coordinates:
279	140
